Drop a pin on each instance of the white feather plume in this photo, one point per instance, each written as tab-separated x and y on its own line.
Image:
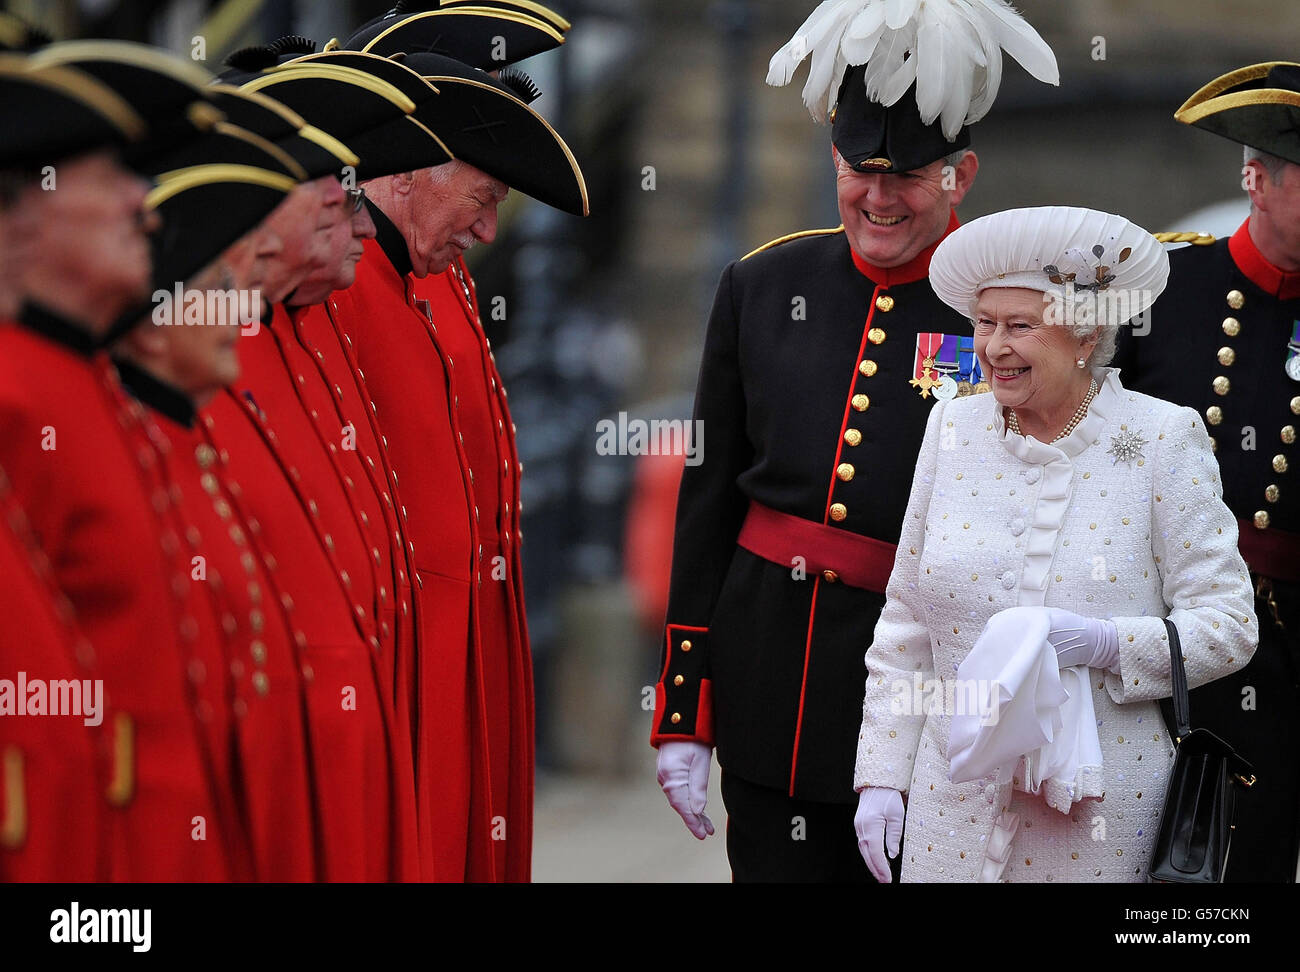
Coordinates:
952	49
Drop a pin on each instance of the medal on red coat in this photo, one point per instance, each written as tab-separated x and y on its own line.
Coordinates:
925	376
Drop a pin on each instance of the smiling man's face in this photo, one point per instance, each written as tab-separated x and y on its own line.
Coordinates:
890	219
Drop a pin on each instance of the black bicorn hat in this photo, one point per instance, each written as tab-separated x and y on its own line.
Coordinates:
489	123
362	100
486	34
873	138
169	93
53	113
1257	105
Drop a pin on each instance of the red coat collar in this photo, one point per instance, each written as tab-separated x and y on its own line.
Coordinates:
918	268
1264	275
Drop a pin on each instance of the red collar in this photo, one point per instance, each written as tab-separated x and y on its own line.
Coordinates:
918	268
1265	276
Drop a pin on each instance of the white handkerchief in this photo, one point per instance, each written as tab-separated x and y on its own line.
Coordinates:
1027	710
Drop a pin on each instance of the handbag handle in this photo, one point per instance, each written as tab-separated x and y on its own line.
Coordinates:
1178	675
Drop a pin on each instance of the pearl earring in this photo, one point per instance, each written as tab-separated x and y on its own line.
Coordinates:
1080	362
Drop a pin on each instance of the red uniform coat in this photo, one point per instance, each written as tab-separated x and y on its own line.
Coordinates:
258	725
446	431
49	799
290	493
102	515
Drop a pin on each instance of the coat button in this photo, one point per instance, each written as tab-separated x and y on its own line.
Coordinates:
1279	463
1261	519
1236	299
829	576
677	717
1017	526
1221	385
884	303
686	646
1271	492
876	335
1214	415
1008	580
1288	434
845	471
838	512
861	402
867	367
1032	475
1231	326
1227	356
853	437
679	679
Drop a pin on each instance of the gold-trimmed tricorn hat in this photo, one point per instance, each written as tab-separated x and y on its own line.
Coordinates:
1257	105
486	34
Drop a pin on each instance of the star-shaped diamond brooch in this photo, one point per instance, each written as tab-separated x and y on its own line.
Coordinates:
1126	446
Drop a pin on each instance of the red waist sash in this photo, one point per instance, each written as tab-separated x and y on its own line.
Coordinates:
836	554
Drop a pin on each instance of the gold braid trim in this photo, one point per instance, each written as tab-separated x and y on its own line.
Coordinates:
1196	239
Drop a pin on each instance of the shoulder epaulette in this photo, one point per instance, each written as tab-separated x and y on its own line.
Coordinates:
1196	239
794	236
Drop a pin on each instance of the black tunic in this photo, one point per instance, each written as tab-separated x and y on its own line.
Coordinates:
774	671
1227	314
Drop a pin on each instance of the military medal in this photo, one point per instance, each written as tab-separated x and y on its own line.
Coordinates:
1293	353
925	364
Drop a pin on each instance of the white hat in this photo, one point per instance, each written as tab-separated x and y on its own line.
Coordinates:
1104	269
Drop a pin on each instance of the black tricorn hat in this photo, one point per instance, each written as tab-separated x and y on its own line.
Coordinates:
485	35
359	108
1258	105
50	114
873	138
206	208
316	152
168	92
488	123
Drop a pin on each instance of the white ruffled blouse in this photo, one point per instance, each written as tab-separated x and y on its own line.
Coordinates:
1122	519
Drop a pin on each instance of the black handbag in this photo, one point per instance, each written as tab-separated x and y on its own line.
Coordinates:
1197	824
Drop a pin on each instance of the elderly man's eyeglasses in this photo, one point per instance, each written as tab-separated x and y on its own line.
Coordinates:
357	197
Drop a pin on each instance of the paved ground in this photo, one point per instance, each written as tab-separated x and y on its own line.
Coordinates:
614	831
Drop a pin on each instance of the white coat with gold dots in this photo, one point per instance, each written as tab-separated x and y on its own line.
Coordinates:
1122	519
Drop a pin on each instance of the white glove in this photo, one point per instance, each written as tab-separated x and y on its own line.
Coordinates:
879	823
1093	642
684	776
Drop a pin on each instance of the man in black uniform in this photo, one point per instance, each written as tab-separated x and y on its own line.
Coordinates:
825	351
1225	340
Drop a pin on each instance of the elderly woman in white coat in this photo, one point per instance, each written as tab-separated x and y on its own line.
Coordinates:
1090	509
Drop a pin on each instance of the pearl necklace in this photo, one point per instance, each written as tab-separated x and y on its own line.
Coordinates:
1014	424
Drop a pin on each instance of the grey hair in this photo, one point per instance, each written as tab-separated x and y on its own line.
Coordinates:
1105	349
954	158
1271	163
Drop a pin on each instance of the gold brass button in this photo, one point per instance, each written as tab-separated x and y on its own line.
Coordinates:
261	682
679	679
1221	385
1214	415
845	471
884	303
876	335
677	717
1227	356
1270	493
258	650
206	455
867	367
1288	434
1295	405
1279	463
686	646
838	512
1236	299
860	402
829	576
1231	326
1214	444
853	437
1261	519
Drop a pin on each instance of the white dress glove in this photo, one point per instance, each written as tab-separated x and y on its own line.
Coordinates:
1093	642
879	823
684	776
